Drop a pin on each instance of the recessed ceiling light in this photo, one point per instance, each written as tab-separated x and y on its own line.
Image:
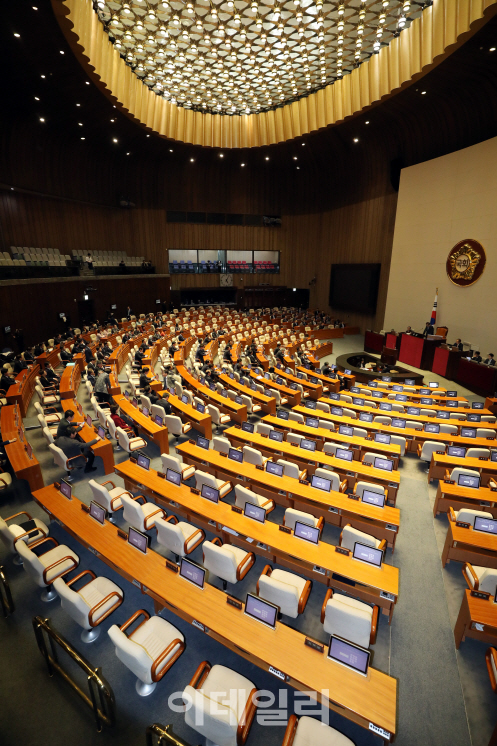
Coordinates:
34	7
242	164
267	158
356	139
221	155
114	139
171	151
294	157
78	104
423	93
112	120
367	121
82	138
11	189
298	168
192	160
303	144
36	98
80	124
87	82
128	153
42	76
41	119
148	135
17	36
492	49
61	51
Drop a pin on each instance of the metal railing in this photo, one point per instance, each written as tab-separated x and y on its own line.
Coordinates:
160	735
101	697
8	606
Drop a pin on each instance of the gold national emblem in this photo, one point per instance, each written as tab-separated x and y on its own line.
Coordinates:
466	262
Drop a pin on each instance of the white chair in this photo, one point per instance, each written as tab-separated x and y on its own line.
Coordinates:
48	400
262	429
480	578
459	471
327	425
228	562
149	651
44	424
426	450
286	590
47	567
323	406
296	417
359	432
369	458
51	417
349	618
306	731
376	488
382	419
243	495
60	459
485	432
251	407
291	470
350	535
253	456
220	705
140	515
91	603
176	426
15	532
292	516
202	477
350	413
336	484
216	416
399	441
478	453
129	444
467	515
108	498
220	444
180	538
175	463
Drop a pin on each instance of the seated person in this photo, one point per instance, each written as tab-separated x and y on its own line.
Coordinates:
51	374
6	380
162	402
476	357
71	447
490	360
458	345
408	330
119	422
428	330
67	422
144	379
40	349
65	355
19	364
28	356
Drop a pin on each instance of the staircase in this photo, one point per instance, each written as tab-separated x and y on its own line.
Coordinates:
84	271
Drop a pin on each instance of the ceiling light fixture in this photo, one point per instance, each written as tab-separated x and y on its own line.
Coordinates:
114	139
42	119
17	36
356	139
36	98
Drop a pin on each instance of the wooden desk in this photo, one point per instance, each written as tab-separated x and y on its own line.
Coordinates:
440	462
414	400
236	412
333	384
468	545
383	523
69	382
21	392
364	700
202	422
103	448
52	358
452	495
23	466
291	493
267	403
315	390
360	446
145	425
268	541
294	397
476	611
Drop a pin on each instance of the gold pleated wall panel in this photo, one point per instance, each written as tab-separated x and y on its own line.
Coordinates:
415	49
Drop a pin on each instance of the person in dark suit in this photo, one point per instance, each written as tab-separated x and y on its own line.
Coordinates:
88	354
428	329
490	360
72	447
6	380
19	364
458	345
129	313
65	356
66	423
476	357
144	379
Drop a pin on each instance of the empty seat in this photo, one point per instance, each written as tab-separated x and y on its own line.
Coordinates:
349	618
46	567
178	537
228	562
286	590
91	604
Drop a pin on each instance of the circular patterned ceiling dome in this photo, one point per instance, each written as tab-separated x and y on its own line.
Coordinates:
242	57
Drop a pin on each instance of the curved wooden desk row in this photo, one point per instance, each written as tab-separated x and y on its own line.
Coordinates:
103	448
144	423
237	412
413	437
290	493
440	462
468	545
423	419
24	466
201	422
21	392
364	700
415	400
69	382
267	403
294	397
456	497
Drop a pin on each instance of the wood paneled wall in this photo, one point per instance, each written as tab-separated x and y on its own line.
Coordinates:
35	308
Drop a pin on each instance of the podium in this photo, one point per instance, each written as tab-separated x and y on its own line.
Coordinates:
417	351
373	341
446	362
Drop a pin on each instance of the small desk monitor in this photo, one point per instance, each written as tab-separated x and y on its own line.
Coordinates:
383	463
66	489
477	405
210	493
97	512
320	483
138	540
311	405
377	395
487	525
261	610
184	399
382	438
357	401
349	655
400	397
365	417
443	415
312	379
433	384
344	454
345	430
280	381
134	401
386	379
458	451
467	480
409	382
238	400
300	376
373	385
173	476
267	392
431	427
232	375
355	390
89	420
282	414
247	427
452	393
267	376
158	420
311	422
235	455
287	370
347	372
368	554
143	461
468	432
251	510
101	432
338	411
276	469
192	572
203	442
212	386
473	417
413	410
373	498
453	404
306	532
397	388
335	397
493	456
276	435
145	411
424	391
398	422
308	445
201	408
385	406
